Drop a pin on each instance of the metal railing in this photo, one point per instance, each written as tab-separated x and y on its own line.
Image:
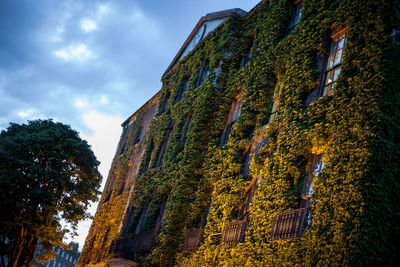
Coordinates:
290	224
193	239
233	232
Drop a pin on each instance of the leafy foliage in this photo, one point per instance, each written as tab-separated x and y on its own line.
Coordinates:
354	212
47	174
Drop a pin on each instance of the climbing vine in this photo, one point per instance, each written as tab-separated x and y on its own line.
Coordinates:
355	201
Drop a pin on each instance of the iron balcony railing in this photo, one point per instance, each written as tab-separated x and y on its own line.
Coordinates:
193	239
290	224
233	232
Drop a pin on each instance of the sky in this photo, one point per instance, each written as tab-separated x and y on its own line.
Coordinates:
91	63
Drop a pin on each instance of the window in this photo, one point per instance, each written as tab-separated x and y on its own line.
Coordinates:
142	219
296	16
121	190
333	64
62	254
164	104
246	59
107	198
185	129
233	116
139	135
314	168
275	104
217	72
185	87
204	71
159	162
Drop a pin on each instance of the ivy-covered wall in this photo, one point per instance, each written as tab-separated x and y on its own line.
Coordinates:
354	207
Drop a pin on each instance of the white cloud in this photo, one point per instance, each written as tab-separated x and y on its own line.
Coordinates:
105	131
103	9
58	35
88	25
104	100
26	113
103	135
81	103
78	52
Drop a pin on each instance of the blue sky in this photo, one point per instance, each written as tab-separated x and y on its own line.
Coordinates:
90	63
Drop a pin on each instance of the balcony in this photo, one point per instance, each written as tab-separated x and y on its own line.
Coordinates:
126	246
193	239
290	224
233	232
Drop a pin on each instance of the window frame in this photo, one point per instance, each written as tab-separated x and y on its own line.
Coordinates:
163	148
336	38
295	18
234	114
315	166
203	73
184	88
275	103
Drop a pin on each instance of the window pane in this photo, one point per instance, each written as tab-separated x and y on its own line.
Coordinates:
331	61
329	77
337	73
277	91
298	13
340	43
236	110
275	107
338	57
327	89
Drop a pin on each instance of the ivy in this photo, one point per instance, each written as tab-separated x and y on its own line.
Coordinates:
355	211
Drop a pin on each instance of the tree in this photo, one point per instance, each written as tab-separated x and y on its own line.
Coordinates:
47	174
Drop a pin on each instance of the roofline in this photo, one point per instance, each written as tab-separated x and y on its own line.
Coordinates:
141	109
237	12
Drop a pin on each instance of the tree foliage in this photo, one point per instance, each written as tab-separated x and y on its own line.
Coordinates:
47	174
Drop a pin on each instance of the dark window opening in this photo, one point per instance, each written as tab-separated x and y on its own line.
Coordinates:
123	147
185	87
163	107
233	116
296	17
121	190
246	59
142	219
185	129
159	162
204	71
139	135
108	197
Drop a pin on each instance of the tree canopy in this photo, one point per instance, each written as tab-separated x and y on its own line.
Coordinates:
47	174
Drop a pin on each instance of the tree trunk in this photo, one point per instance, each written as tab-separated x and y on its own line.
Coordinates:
16	248
28	256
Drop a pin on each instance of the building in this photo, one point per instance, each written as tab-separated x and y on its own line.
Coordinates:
273	141
64	258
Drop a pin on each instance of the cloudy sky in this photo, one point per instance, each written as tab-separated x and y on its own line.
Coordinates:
91	63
